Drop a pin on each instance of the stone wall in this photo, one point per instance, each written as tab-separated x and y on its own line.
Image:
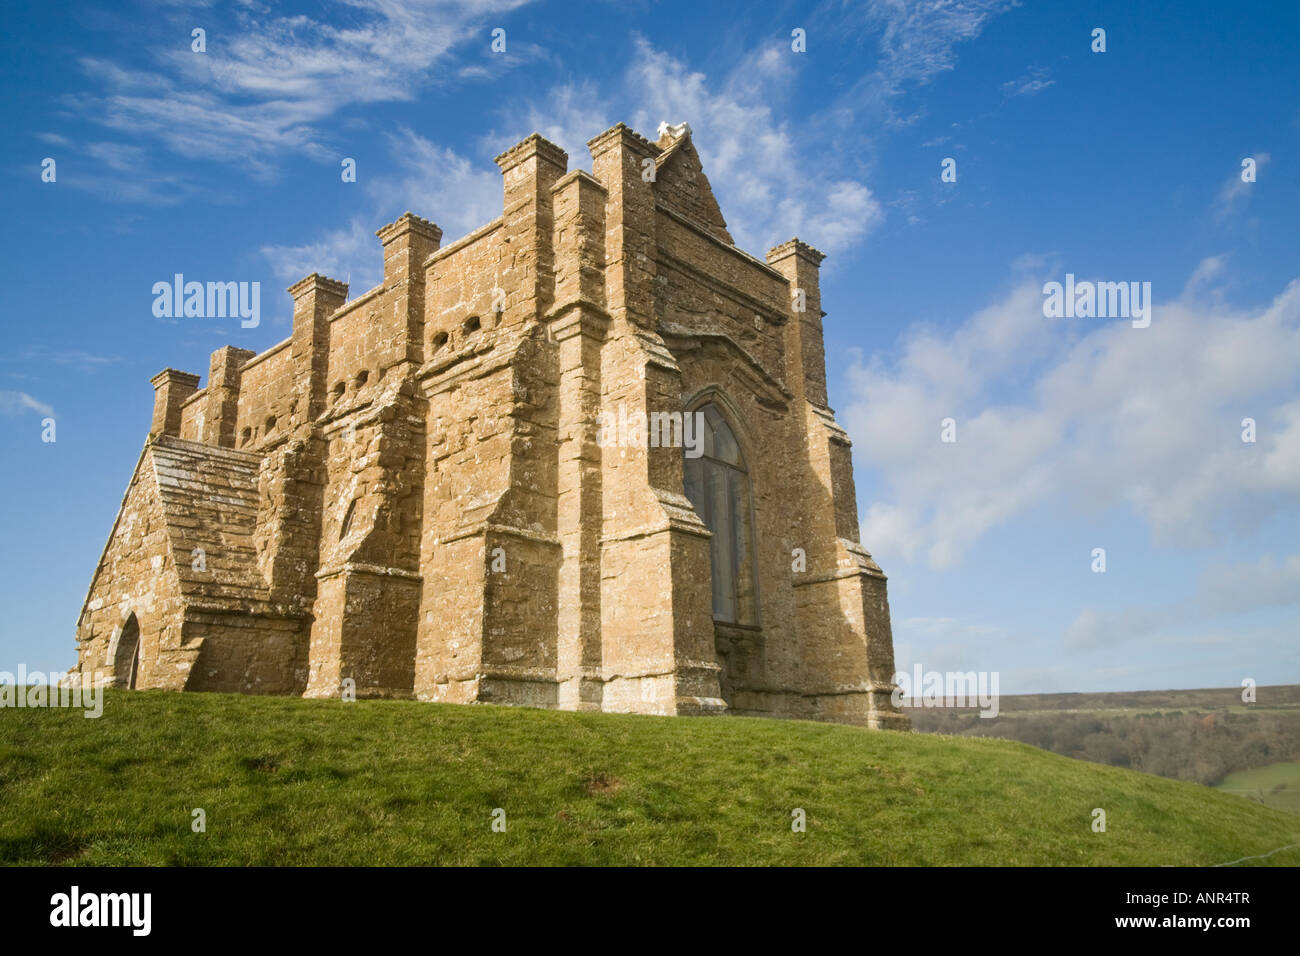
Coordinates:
132	579
418	502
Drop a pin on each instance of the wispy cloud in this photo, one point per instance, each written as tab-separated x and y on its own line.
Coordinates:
350	253
1236	191
771	181
1031	83
265	85
122	172
1248	586
430	180
769	187
67	358
1207	279
117	156
15	403
917	41
459	193
774	177
568	115
1223	590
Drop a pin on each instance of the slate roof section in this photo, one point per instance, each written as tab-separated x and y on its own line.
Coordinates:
210	497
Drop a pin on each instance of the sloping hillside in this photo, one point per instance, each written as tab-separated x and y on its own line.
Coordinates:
1197	735
287	781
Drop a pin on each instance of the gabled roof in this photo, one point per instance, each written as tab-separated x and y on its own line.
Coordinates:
680	183
209	499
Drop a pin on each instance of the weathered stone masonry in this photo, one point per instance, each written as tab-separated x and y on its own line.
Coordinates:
413	491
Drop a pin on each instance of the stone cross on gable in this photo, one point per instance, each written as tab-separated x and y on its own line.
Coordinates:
675	131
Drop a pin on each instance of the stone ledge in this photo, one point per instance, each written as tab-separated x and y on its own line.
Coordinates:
317	282
409	222
263	356
464	241
348	308
629	137
355	567
173	376
700	230
211	451
797	247
534	145
578	175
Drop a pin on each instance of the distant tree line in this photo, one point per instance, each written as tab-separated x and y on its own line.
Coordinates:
1202	747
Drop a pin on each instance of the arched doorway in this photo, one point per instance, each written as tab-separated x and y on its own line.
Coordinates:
717	484
126	661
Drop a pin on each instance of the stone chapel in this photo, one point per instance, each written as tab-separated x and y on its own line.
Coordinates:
419	493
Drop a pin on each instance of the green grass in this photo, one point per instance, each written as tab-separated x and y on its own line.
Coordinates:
287	781
1277	785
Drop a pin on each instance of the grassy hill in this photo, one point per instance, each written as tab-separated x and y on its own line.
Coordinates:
1277	785
286	781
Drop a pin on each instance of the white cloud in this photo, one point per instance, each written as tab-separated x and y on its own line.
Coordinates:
917	42
265	87
15	403
769	187
430	181
69	358
568	116
121	172
1235	191
917	39
117	156
266	82
1210	270
770	184
457	193
1031	83
350	253
1223	590
1094	629
1103	414
1249	586
773	181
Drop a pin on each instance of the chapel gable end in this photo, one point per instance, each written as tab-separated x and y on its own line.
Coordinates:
680	182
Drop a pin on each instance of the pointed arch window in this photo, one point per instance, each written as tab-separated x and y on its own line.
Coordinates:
717	484
126	662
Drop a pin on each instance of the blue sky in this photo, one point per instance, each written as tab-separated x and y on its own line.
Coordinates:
1072	434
